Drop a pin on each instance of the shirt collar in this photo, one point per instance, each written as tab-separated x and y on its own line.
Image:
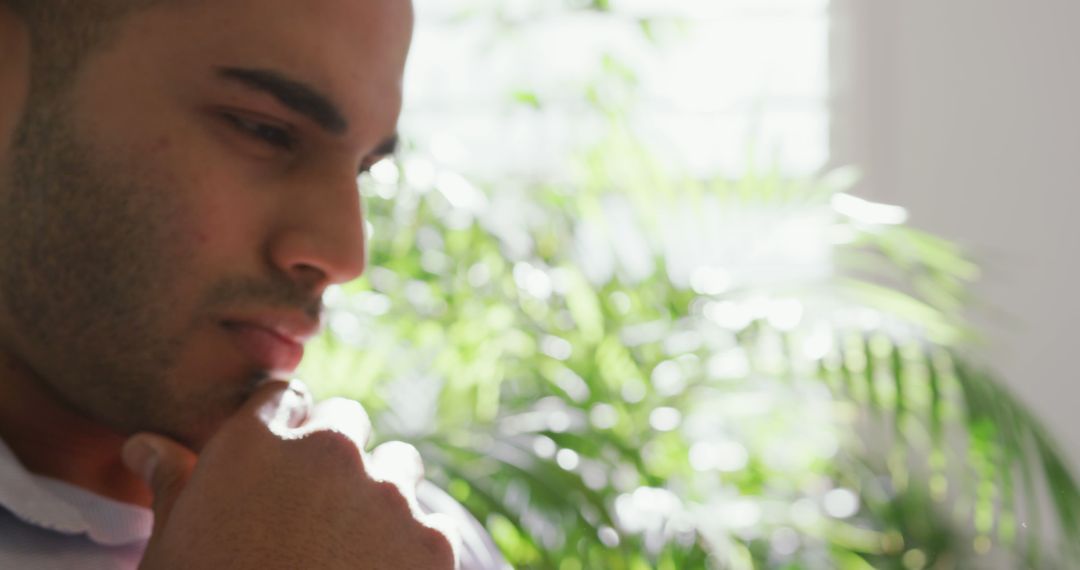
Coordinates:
64	508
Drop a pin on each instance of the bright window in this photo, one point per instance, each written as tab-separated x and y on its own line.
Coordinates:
499	88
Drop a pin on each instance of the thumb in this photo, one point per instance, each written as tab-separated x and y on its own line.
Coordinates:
163	465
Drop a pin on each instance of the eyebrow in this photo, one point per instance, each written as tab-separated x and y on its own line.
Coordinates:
294	94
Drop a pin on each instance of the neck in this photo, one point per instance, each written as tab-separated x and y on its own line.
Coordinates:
51	439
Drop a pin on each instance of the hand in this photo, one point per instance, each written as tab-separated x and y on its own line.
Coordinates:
287	485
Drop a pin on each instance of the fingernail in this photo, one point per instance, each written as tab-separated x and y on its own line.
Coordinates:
140	457
289	409
298	401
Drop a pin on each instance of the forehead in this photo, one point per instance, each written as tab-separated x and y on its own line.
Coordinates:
353	50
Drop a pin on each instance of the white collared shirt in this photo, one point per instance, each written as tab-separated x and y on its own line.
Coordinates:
46	524
49	524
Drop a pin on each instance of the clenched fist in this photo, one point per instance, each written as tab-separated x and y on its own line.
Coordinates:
285	484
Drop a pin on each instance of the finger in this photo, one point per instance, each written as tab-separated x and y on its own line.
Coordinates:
278	404
398	463
448	527
341	415
164	465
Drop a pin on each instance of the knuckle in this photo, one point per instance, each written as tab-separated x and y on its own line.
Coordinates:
399	450
398	461
438	546
341	415
330	447
346	409
392	497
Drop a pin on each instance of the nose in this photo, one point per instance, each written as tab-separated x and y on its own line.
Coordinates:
320	238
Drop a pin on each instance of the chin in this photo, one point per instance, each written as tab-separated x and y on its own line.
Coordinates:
196	437
191	428
199	433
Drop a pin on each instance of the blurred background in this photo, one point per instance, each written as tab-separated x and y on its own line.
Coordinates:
732	283
963	113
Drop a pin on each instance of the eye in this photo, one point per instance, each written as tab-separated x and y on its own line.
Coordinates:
272	135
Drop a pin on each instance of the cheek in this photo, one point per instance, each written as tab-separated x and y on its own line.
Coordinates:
15	77
161	146
222	227
214	216
220	207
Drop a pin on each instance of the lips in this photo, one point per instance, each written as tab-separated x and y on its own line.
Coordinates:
265	347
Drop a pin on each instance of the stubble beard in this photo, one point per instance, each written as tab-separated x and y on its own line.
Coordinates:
92	257
87	272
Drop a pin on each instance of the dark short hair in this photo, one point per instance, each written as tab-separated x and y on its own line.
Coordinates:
64	32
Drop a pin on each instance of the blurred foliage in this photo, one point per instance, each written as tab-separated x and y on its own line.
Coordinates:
624	368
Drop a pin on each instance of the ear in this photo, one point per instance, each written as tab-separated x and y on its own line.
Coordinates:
14	75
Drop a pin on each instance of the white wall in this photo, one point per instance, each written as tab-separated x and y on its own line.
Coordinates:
968	113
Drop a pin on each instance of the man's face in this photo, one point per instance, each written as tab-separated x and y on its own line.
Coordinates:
194	187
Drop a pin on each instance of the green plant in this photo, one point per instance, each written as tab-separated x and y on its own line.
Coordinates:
792	394
624	367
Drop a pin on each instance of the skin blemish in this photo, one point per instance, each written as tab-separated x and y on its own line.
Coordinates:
163	143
